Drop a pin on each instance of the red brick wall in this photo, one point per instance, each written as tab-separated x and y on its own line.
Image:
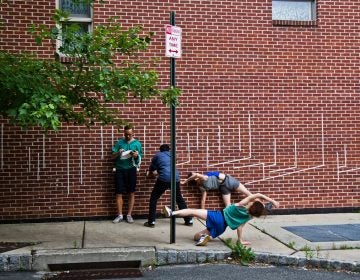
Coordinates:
296	85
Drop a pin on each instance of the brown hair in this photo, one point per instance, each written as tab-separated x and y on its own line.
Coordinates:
128	127
257	209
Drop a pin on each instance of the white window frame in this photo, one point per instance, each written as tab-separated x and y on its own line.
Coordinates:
311	12
74	19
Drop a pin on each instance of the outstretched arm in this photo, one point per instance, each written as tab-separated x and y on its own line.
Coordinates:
203	199
252	197
239	234
194	176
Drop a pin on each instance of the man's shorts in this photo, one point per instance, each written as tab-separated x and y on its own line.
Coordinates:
229	185
125	180
215	223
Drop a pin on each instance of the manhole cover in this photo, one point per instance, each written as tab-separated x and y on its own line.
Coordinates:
327	233
95	274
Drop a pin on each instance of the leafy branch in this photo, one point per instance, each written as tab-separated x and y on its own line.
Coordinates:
45	93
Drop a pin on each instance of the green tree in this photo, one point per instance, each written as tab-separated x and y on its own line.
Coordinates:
45	93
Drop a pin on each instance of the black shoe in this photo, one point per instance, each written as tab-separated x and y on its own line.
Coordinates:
149	225
189	223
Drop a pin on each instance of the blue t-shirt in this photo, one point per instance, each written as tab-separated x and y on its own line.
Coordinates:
161	162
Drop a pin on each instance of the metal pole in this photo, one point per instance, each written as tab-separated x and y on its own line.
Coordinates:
173	141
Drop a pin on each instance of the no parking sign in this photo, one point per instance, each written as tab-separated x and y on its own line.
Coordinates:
173	41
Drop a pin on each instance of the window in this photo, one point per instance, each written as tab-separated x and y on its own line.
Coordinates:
80	13
294	10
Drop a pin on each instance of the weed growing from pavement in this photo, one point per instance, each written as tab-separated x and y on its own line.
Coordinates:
309	254
240	252
291	245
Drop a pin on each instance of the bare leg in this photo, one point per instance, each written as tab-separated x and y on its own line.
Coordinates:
119	203
131	203
198	213
226	199
243	189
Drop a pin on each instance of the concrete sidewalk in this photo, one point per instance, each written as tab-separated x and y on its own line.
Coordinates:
103	241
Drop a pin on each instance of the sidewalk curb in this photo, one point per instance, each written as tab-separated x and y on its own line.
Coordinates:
285	260
27	262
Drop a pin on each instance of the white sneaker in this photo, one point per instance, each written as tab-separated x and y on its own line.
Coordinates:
118	219
203	240
167	212
129	219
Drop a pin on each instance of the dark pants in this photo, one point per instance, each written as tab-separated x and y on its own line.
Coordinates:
159	188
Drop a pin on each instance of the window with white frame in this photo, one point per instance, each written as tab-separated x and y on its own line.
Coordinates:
80	13
296	10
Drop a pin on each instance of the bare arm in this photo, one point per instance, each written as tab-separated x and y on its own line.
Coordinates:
239	234
252	197
194	176
151	174
203	199
115	155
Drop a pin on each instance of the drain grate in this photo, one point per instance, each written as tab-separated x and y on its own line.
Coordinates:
94	270
327	233
95	274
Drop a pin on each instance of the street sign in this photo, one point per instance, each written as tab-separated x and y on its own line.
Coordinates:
173	41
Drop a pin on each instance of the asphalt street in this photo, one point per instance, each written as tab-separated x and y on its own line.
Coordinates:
214	272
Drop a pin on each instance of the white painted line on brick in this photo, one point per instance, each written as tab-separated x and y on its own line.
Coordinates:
2	146
162	133
81	166
38	166
112	135
102	142
295	161
29	160
188	152
285	174
43	155
234	160
339	167
68	169
144	141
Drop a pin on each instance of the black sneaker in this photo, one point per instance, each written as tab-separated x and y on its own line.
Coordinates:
189	223
147	224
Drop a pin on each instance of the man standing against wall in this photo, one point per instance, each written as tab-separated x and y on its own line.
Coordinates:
127	154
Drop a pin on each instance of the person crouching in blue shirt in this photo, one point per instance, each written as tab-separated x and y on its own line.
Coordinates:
160	166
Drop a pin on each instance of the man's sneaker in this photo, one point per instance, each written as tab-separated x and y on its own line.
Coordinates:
167	212
147	224
203	240
129	219
189	223
118	219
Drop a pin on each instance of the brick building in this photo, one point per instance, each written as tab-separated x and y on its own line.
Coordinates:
270	96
